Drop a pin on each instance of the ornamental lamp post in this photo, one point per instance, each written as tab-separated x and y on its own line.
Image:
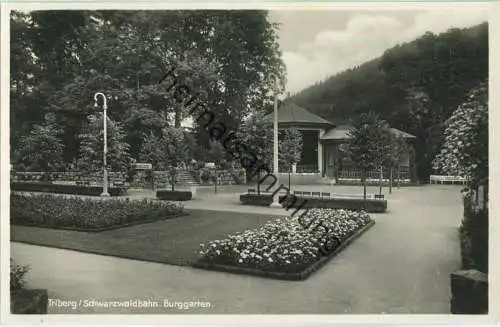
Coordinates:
276	203
105	168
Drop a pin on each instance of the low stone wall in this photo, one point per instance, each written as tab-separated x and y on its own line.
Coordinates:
161	179
225	176
469	290
295	179
80	178
29	302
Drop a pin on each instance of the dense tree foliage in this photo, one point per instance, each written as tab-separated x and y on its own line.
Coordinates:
465	147
229	59
369	144
92	145
42	148
414	86
290	150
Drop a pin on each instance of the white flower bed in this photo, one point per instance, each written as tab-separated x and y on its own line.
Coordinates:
284	244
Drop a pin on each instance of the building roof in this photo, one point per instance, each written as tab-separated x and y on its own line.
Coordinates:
292	114
403	134
337	133
342	133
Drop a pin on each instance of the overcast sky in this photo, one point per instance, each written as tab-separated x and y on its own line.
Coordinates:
317	44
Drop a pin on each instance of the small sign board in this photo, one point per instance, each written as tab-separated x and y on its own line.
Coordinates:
210	165
142	166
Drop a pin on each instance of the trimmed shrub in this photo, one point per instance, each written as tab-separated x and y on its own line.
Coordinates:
474	236
77	213
66	189
17	276
174	195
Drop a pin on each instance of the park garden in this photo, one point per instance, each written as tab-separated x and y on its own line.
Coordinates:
62	142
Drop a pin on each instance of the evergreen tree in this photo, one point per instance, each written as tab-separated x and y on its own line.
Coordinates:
92	145
42	149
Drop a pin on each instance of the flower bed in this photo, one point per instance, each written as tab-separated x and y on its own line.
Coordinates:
86	214
286	248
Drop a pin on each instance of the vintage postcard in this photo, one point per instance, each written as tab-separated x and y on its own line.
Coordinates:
248	162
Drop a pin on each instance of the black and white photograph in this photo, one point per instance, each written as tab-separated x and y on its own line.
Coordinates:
269	160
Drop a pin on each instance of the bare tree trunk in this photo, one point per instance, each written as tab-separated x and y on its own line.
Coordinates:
380	180
390	180
363	179
258	183
399	175
173	180
178	115
289	179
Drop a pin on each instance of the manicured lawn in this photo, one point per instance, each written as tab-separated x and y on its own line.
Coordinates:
173	241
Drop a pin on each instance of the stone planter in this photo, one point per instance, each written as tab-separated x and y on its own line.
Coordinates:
29	302
469	292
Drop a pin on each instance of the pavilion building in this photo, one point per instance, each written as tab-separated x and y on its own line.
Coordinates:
321	159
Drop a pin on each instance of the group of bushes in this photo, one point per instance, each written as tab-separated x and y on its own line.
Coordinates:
283	245
74	212
474	237
17	276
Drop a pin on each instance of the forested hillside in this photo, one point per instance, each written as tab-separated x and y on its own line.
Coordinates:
414	86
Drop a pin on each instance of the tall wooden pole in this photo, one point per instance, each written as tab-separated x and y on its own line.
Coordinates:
105	152
276	203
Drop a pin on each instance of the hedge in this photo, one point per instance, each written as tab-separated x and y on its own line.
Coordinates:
66	189
474	232
174	195
86	214
369	205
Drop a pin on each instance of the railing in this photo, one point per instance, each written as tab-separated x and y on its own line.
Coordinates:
307	169
447	179
353	173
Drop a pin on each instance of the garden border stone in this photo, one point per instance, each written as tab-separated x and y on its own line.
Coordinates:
299	276
104	229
